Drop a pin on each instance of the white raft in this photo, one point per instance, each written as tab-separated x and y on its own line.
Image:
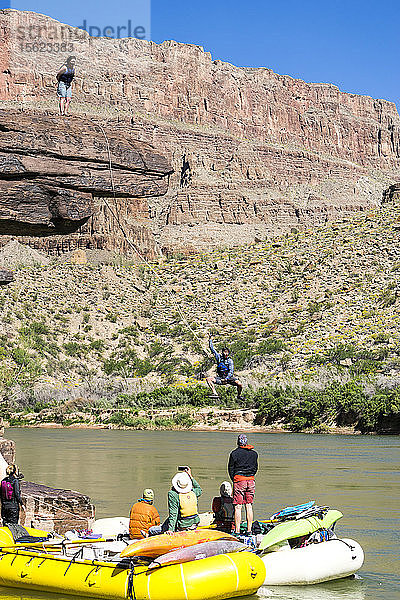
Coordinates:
319	558
325	561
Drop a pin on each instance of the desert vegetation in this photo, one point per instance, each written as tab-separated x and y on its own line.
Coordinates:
312	320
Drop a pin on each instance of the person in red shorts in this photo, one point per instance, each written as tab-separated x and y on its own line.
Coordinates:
242	467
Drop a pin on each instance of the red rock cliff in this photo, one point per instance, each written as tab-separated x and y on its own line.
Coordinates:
55	183
254	153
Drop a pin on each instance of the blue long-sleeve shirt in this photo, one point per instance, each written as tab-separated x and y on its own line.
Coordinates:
219	359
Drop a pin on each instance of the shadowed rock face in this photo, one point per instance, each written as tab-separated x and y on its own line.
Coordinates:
53	168
392	193
6	277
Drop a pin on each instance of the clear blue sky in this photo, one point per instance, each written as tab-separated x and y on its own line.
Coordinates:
351	43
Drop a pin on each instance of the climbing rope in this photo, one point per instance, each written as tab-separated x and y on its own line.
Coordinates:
130	243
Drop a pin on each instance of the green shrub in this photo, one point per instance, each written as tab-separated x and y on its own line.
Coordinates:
162	328
164	423
385	403
75	349
97	345
39	406
158	348
270	346
184	420
313	307
129	331
125	419
21	357
305	408
17	421
112	317
387	298
35	328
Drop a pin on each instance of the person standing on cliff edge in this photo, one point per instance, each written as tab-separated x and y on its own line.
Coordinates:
224	371
64	89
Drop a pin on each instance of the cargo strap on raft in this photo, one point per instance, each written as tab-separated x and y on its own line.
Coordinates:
131	587
73	559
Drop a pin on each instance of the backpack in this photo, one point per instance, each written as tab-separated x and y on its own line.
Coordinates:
7	490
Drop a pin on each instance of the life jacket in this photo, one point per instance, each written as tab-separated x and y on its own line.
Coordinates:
227	509
188	504
7	491
224	510
222	369
68	76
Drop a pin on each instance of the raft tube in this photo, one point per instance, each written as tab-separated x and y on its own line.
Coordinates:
333	559
215	578
155	546
6	538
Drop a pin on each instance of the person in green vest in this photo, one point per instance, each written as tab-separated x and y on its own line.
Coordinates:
183	512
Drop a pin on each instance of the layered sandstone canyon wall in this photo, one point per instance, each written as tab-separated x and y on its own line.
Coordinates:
55	180
254	153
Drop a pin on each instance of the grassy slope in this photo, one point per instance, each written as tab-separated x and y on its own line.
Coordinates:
309	308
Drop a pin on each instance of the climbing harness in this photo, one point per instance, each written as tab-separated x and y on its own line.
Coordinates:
222	369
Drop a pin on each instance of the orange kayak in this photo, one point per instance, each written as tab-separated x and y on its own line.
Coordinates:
157	545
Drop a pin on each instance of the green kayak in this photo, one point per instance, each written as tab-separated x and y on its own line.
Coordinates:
293	529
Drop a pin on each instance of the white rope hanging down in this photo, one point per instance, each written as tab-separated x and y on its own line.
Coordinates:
130	243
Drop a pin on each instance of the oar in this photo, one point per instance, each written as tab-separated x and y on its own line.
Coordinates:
50	543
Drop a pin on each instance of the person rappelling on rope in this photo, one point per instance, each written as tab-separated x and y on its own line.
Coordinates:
225	370
64	89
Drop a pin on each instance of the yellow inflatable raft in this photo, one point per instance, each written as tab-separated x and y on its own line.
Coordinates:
217	577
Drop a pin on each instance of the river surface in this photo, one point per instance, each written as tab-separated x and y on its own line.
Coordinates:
359	475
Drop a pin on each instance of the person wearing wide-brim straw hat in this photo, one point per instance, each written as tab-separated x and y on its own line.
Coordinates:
10	494
183	513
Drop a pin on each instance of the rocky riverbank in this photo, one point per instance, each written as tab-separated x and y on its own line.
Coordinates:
346	409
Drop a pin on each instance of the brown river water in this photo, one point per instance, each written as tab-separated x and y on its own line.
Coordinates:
359	475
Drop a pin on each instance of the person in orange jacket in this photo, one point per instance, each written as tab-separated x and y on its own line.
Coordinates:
143	516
